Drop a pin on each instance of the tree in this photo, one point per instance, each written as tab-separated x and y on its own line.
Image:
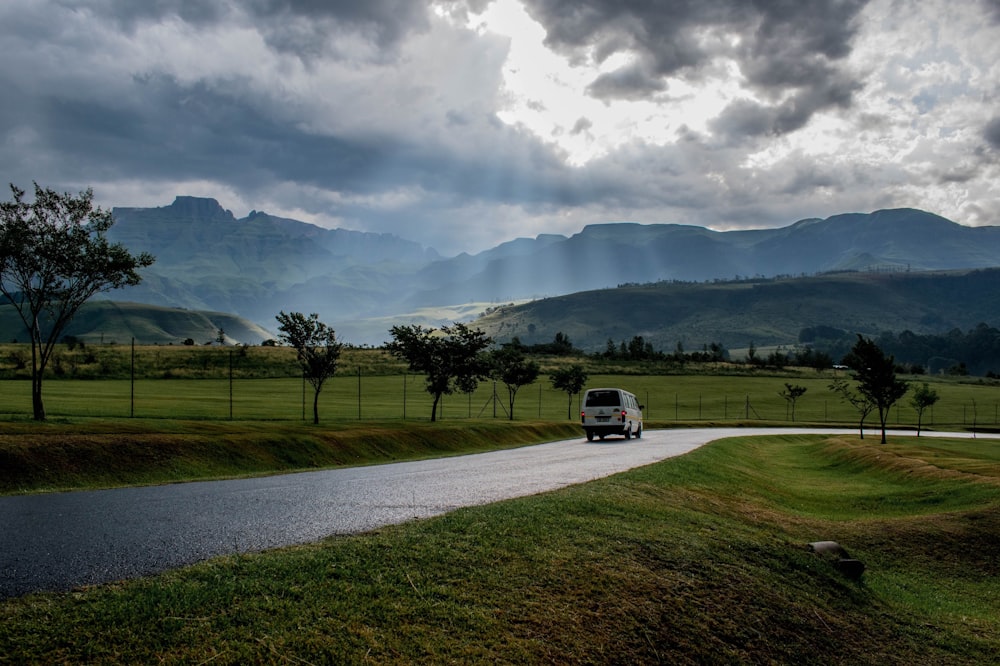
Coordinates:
450	359
791	394
571	380
923	397
512	368
55	255
875	373
859	402
316	347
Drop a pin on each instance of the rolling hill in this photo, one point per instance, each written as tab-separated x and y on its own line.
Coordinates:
764	312
103	321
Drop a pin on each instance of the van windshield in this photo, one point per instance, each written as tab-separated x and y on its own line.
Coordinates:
602	399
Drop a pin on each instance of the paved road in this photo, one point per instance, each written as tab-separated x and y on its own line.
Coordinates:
62	540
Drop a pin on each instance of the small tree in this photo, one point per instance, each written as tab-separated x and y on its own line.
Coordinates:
923	397
316	347
54	255
791	394
450	359
875	373
571	380
861	403
512	368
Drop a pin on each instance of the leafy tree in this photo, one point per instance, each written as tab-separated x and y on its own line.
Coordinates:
54	255
923	397
861	403
316	347
571	380
875	373
791	394
512	368
450	359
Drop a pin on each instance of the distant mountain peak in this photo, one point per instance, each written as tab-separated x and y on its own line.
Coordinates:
199	208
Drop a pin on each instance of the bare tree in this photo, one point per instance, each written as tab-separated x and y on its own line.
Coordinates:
316	347
54	255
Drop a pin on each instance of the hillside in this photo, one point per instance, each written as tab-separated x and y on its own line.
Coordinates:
254	267
102	321
607	255
762	312
207	259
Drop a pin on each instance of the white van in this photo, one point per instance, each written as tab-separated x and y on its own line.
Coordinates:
611	411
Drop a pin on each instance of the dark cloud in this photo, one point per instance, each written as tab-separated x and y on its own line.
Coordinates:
993	8
784	47
632	82
302	26
992	133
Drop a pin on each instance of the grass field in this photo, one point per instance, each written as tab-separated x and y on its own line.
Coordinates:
667	398
701	559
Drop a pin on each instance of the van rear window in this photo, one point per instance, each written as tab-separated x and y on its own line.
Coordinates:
602	399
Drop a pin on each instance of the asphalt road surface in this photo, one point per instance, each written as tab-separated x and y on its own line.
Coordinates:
62	540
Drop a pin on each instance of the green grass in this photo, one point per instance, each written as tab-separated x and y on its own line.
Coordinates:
699	559
87	453
669	399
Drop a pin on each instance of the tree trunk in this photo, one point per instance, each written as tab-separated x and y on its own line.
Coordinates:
38	409
569	408
37	368
434	407
316	407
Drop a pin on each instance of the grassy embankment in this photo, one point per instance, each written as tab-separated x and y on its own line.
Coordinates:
182	428
699	559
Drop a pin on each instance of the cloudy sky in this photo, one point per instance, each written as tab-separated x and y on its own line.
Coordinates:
464	123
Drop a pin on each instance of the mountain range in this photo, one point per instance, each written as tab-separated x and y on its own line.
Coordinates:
361	283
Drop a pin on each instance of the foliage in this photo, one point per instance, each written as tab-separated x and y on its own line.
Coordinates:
791	394
451	359
571	380
923	397
316	347
510	366
875	373
858	401
54	256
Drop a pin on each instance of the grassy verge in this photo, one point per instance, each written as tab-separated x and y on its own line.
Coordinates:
81	453
700	559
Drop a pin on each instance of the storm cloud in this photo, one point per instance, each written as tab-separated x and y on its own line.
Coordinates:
408	118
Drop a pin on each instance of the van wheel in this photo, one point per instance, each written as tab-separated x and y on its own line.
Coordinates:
590	435
628	432
638	433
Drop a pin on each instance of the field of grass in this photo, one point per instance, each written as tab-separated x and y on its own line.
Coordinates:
699	559
669	399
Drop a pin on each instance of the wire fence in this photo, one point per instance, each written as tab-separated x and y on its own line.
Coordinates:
356	396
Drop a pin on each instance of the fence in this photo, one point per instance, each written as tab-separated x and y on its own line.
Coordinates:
353	396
